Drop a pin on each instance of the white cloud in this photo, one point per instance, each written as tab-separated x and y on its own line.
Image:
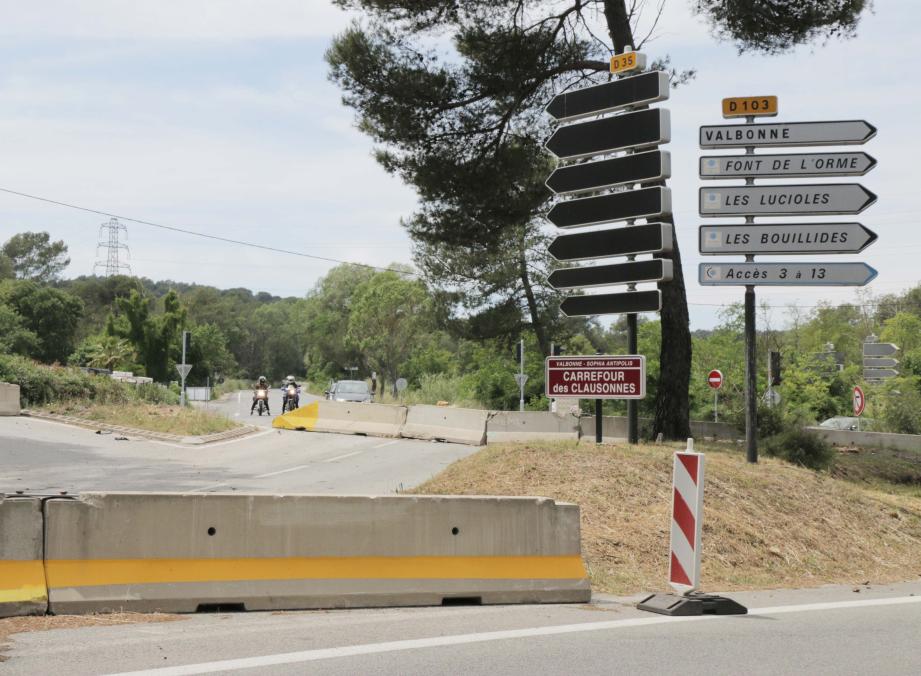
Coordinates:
170	19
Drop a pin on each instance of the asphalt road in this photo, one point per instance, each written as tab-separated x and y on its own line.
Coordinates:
38	456
823	631
236	407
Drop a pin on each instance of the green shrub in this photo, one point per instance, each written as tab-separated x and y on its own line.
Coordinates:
801	447
40	384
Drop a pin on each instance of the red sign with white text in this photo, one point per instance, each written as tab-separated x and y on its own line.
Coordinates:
596	377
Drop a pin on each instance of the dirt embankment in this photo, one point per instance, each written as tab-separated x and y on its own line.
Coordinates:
765	525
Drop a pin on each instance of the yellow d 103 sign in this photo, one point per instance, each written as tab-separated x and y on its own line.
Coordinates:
743	106
623	63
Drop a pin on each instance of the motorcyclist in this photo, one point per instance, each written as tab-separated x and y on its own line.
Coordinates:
261	384
289	382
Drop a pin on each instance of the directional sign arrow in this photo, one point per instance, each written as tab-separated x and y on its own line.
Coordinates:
633	239
618	206
629	302
879	374
645	167
879	349
880	362
639	90
633	272
785	200
778	134
770	166
785	274
785	238
641	129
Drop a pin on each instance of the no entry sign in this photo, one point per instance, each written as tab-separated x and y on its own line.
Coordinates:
715	379
596	377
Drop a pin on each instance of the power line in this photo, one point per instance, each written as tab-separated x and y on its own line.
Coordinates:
204	235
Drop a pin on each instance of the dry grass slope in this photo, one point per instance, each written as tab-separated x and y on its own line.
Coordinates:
768	525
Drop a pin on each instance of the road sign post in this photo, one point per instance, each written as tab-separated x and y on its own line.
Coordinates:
184	368
798	238
715	381
622	145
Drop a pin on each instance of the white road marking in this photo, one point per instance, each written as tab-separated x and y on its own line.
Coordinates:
461	639
208	486
389	443
343	457
281	471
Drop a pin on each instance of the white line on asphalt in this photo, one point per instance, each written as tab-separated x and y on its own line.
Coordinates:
281	471
460	639
389	443
343	457
207	486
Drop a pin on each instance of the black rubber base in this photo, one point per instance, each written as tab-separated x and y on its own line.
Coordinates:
693	604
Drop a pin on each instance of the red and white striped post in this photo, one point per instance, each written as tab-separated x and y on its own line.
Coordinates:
684	547
687	516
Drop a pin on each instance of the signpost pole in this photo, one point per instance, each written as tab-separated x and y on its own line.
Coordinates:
751	373
716	400
633	434
521	379
182	389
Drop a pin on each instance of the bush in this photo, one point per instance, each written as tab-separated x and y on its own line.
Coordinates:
801	447
40	384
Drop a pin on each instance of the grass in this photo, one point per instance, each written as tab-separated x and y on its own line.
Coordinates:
186	421
766	525
881	468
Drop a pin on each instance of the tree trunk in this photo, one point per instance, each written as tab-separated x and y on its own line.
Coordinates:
672	393
615	11
532	304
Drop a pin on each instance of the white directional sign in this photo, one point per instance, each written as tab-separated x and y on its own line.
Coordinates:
785	274
778	166
785	238
879	374
785	200
880	362
879	349
777	134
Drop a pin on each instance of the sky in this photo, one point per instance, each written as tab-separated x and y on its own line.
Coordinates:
218	117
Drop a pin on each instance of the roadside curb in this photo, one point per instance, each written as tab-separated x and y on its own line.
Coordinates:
242	431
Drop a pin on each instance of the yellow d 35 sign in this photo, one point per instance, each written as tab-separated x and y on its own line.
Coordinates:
742	106
622	63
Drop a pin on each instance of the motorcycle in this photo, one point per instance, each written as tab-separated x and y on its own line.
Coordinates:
292	397
262	400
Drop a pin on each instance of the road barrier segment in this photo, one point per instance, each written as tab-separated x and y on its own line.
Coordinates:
9	399
439	423
531	425
188	552
22	571
380	420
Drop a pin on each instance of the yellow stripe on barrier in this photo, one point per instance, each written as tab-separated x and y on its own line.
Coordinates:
22	581
303	418
96	572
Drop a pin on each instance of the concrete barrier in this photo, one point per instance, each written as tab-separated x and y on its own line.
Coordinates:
531	425
379	420
22	571
899	442
615	428
9	399
185	552
457	425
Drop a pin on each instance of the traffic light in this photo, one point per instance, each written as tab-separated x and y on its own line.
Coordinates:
774	368
518	346
186	344
556	350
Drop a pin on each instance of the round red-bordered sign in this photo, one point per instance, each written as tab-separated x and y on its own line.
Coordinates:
715	379
860	401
